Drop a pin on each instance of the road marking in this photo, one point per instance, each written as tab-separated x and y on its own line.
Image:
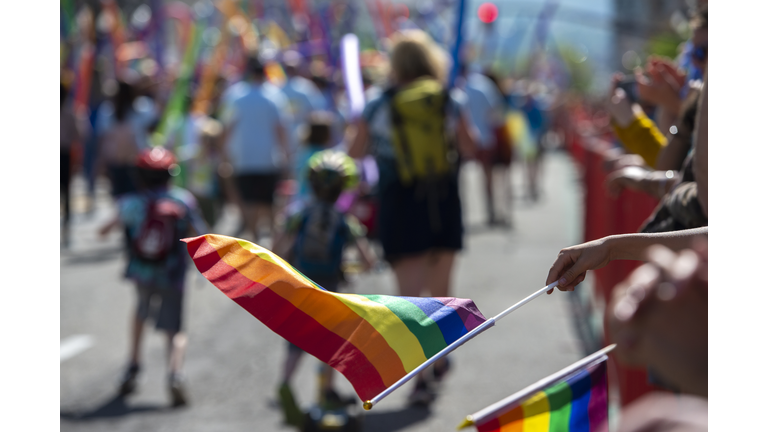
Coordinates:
74	345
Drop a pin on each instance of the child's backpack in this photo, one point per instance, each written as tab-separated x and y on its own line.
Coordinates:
319	245
422	148
157	235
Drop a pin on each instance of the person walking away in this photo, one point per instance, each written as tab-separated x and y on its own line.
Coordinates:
411	128
155	218
69	134
485	105
118	143
203	152
313	241
535	110
256	118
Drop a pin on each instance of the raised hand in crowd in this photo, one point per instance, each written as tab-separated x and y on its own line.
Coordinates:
621	109
662	84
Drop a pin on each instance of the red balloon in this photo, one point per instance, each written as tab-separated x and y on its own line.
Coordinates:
487	12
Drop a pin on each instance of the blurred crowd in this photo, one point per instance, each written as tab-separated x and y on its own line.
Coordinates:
273	134
657	121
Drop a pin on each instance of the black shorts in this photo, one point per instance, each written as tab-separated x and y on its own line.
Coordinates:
165	310
411	223
257	188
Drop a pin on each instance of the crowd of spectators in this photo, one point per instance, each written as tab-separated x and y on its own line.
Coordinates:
251	146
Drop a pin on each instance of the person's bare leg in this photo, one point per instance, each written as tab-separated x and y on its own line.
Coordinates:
250	219
411	274
291	363
137	330
439	273
489	202
266	213
506	183
177	346
128	382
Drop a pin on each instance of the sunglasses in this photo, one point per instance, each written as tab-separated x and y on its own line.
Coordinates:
699	53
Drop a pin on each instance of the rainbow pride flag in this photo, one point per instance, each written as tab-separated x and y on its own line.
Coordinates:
373	340
572	400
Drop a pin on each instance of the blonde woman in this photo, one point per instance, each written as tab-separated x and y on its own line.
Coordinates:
416	132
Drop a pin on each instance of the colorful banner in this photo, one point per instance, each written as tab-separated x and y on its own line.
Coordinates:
574	399
373	340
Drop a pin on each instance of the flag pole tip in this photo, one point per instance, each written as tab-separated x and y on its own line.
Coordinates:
468	421
367	405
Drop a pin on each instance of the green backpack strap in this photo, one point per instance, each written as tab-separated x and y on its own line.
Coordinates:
399	129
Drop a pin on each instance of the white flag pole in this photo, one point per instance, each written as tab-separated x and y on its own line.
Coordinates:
459	342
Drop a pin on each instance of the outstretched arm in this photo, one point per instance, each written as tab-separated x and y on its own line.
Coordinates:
572	263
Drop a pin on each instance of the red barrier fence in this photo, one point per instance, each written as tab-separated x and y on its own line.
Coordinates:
604	216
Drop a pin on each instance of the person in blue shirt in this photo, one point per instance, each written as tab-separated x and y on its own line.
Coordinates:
256	120
486	107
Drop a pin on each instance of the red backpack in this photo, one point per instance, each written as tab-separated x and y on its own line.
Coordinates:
158	235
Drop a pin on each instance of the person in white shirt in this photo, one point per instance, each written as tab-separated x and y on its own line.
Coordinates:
256	118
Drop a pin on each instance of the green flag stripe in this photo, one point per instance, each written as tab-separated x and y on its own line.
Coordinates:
560	406
423	327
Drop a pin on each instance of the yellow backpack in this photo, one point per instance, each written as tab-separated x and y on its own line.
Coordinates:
422	148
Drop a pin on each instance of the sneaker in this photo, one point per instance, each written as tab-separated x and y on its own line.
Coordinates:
420	396
292	414
128	383
177	391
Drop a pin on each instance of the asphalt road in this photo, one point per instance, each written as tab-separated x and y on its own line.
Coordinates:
233	361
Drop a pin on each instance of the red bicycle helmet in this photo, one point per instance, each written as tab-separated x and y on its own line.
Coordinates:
156	158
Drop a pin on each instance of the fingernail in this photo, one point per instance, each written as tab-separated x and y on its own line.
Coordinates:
561	282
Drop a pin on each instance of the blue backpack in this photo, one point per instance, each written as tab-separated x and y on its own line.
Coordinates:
319	245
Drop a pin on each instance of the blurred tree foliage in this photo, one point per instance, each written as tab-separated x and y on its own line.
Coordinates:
579	68
665	45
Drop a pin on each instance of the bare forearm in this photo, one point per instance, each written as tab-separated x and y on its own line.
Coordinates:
359	144
672	156
665	119
633	246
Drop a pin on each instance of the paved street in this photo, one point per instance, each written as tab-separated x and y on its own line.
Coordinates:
233	360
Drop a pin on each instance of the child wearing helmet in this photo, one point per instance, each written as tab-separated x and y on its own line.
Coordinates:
316	137
155	218
313	240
